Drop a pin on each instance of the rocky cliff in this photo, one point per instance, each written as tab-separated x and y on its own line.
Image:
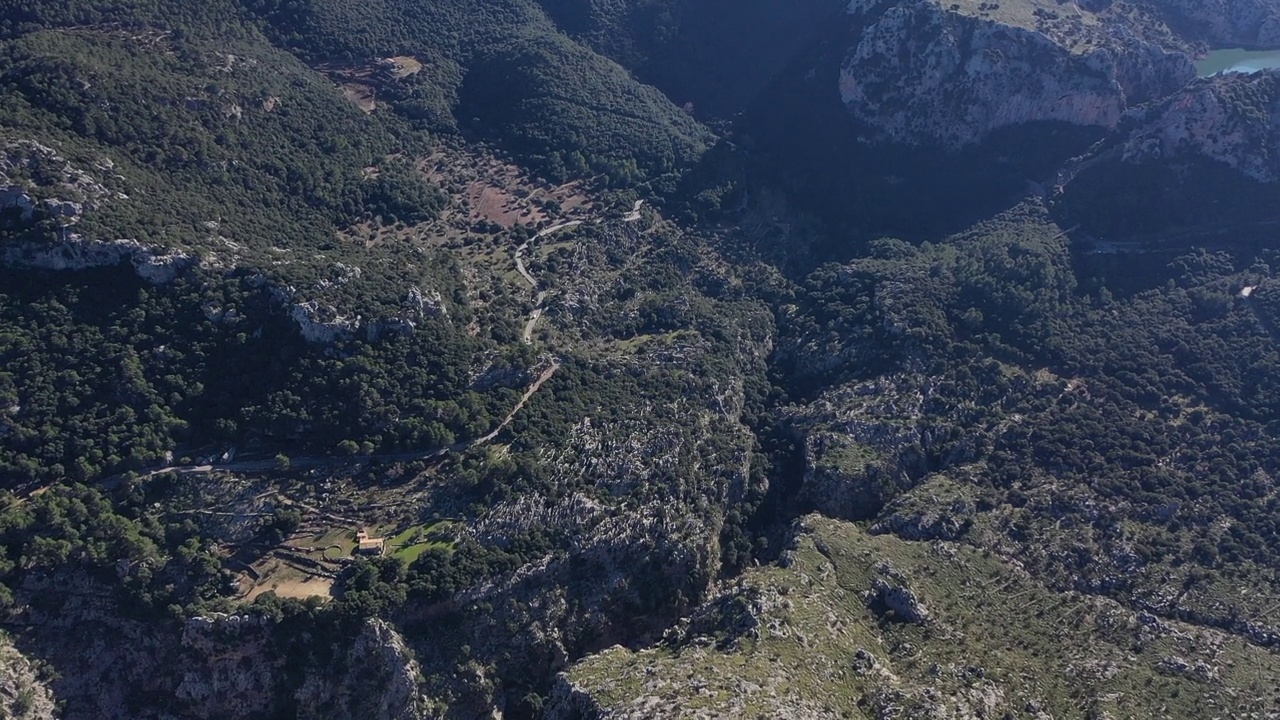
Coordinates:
205	667
24	695
625	574
377	677
77	253
923	73
1232	119
31	170
1203	160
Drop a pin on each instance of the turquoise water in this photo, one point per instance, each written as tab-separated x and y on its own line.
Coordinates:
1242	61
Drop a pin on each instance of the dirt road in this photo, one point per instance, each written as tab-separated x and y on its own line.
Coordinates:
532	322
311	461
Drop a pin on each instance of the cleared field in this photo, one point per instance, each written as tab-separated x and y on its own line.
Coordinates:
289	582
410	543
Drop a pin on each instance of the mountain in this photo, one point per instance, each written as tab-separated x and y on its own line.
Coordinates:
637	358
716	56
859	625
1212	146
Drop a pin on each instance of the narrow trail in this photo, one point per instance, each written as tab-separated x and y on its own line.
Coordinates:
527	334
314	461
528	393
524	272
532	322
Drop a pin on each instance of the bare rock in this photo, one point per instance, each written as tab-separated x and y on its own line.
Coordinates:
899	599
322	323
570	702
229	670
23	694
77	253
1207	119
925	74
14	197
376	679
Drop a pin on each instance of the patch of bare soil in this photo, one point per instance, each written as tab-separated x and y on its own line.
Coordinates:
372	233
359	82
361	95
494	191
286	585
403	66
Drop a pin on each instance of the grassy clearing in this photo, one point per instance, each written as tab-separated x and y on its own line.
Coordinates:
542	251
410	543
639	343
846	456
324	543
1021	13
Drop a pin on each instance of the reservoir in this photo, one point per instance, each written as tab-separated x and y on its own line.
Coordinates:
1241	61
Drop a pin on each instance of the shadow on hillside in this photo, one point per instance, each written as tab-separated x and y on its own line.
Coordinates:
800	137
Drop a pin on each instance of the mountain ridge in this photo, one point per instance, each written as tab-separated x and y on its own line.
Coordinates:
439	361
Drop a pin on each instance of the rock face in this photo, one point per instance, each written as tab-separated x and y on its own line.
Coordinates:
78	253
624	575
215	666
35	178
1232	118
924	74
15	198
23	695
902	601
30	169
321	323
853	487
231	670
325	325
569	701
233	676
862	446
376	678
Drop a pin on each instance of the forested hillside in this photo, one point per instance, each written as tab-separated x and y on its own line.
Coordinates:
719	57
503	71
584	358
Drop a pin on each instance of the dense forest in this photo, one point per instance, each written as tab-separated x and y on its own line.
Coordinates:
502	71
104	374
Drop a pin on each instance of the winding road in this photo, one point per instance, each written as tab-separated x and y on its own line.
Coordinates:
311	461
527	335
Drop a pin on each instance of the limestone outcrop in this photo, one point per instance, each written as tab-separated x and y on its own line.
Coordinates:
1233	119
30	170
925	73
75	252
215	666
376	678
24	694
